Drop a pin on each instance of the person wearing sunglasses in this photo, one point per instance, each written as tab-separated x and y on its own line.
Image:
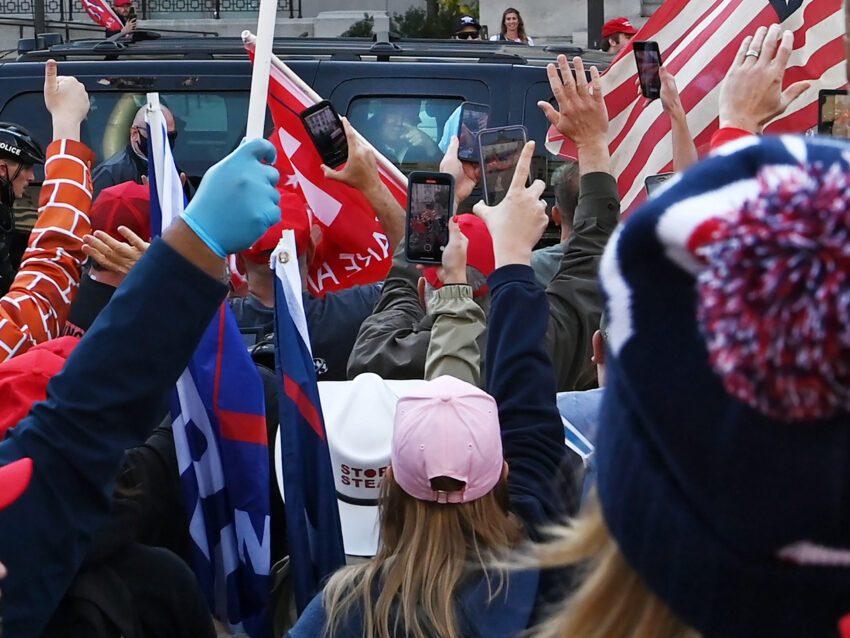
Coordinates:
130	164
466	28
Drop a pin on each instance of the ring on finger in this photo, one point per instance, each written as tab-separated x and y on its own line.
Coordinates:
752	53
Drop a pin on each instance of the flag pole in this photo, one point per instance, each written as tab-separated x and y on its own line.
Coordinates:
262	63
251	39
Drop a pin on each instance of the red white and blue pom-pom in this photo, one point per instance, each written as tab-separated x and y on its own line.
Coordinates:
774	302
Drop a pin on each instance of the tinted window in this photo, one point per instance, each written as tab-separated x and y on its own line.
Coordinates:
407	130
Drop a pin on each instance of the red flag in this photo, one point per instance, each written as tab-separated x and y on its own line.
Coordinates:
102	13
354	248
698	41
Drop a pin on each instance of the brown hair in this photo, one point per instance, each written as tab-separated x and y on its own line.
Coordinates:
426	551
520	30
611	600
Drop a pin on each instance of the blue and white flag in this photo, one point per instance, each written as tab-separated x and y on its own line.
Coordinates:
312	517
218	412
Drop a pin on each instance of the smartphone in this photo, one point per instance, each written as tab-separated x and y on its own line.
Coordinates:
131	15
325	129
473	118
648	59
500	151
834	113
652	182
430	199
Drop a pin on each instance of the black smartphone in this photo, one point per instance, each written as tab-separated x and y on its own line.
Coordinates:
500	151
131	15
325	129
473	118
430	199
652	182
834	113
648	58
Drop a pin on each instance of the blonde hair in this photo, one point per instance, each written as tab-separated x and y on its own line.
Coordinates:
426	551
611	600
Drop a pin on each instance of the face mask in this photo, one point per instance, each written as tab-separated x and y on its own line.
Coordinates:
143	142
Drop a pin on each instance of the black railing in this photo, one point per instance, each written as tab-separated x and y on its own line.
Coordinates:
69	9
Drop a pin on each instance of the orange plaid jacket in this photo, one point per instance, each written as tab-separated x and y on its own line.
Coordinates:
36	306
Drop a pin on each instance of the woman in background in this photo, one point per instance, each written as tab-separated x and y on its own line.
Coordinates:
513	28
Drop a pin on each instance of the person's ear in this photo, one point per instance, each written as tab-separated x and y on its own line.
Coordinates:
506	469
556	215
598	349
420	288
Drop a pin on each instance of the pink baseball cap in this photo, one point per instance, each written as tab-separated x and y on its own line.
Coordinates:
447	427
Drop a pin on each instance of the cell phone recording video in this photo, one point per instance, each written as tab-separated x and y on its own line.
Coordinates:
131	15
430	198
473	119
653	182
325	129
648	58
500	151
834	113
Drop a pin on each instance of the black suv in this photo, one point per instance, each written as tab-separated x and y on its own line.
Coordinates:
205	82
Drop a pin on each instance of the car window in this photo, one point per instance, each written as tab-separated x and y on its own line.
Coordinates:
407	130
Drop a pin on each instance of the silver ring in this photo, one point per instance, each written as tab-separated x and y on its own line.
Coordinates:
752	53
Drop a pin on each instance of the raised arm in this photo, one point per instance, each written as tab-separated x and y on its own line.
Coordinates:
115	384
519	371
684	149
36	306
575	304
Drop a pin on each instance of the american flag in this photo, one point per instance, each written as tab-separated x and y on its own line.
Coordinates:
102	13
312	517
354	248
219	427
698	41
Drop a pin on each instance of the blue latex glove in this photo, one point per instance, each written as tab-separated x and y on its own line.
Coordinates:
237	201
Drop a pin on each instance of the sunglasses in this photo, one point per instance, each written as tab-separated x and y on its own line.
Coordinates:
467	35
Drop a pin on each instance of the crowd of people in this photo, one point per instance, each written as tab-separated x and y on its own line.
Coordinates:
696	350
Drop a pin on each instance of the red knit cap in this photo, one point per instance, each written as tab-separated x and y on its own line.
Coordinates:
479	254
127	204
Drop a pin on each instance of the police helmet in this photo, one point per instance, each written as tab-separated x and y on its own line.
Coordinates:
18	145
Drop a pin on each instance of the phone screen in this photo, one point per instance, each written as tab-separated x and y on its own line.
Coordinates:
325	129
500	151
648	59
429	204
473	118
652	182
834	114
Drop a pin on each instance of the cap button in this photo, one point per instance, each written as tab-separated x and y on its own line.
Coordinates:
445	399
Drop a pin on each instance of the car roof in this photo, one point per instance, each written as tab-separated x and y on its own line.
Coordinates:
344	49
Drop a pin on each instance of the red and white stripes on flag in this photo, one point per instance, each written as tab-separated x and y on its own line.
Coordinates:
698	42
102	13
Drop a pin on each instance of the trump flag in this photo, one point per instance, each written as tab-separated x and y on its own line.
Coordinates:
698	42
219	428
102	14
312	517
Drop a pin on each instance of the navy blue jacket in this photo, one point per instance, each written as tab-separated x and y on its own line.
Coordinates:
522	381
108	397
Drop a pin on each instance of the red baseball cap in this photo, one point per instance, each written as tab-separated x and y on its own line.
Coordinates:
14	479
23	379
126	204
618	25
121	3
479	254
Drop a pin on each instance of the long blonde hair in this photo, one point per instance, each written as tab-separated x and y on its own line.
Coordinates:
426	551
611	601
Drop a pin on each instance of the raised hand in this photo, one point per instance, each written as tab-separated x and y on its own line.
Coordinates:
237	201
751	94
453	270
116	256
67	100
518	221
466	174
